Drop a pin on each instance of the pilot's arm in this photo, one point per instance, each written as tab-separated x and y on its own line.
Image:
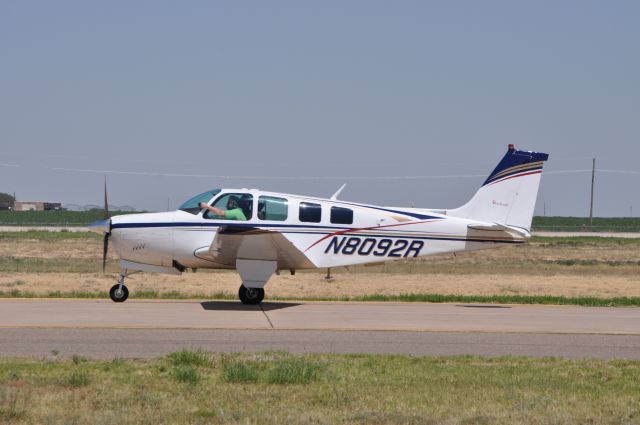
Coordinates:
216	211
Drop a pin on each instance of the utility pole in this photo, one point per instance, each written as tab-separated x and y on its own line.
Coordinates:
593	179
544	213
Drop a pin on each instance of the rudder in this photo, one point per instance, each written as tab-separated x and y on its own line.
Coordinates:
508	196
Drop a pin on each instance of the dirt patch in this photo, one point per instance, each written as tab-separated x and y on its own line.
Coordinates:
600	270
343	285
64	248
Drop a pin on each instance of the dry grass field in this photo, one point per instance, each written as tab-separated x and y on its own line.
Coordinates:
571	267
192	387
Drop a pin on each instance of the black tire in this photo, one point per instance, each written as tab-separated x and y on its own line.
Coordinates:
119	296
251	296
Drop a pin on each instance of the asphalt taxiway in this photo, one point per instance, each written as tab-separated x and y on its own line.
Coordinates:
136	328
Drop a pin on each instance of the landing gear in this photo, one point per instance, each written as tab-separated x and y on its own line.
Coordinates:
254	275
119	293
250	296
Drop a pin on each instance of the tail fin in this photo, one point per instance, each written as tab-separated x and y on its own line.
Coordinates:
508	196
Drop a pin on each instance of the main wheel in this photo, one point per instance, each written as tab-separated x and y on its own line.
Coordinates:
119	295
251	296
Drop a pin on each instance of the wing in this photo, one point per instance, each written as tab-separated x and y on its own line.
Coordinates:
251	243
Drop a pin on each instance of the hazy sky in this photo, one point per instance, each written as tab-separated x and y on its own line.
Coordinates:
174	94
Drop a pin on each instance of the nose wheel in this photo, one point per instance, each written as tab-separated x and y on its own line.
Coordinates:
119	293
251	296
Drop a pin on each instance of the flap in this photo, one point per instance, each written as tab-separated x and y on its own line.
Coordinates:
252	243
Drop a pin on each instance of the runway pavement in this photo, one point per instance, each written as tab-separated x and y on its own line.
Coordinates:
103	329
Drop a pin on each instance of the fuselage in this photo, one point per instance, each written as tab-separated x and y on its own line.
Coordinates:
328	232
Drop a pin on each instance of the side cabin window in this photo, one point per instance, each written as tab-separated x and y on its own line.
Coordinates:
273	208
310	213
232	206
341	215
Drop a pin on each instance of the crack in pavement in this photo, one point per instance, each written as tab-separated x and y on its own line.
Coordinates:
267	316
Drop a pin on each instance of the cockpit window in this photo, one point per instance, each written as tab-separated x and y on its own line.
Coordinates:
193	205
231	206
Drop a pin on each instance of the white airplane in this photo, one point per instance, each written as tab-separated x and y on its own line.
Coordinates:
260	233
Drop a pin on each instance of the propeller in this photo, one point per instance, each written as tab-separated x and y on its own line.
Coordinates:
103	227
105	240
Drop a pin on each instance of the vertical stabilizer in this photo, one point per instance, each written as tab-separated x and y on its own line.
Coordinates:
508	196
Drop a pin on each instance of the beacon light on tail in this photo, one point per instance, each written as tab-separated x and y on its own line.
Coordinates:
259	233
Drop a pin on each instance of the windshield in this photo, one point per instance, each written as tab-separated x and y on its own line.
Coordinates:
193	205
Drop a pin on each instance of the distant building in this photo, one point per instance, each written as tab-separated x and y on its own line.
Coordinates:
36	206
5	206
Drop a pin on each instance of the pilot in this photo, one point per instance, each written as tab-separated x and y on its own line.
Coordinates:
233	211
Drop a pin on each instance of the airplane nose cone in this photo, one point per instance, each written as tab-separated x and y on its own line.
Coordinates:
101	227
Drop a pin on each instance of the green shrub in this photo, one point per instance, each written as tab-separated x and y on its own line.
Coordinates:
187	374
78	379
77	359
191	358
294	371
240	372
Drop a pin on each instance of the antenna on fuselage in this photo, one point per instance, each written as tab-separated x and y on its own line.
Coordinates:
335	195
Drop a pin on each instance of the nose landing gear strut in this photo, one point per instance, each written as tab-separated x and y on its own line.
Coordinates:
119	293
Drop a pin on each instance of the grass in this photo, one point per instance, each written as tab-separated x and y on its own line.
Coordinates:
190	358
583	241
43	235
53	265
187	374
275	388
282	370
294	370
538	267
26	263
430	298
577	224
53	218
240	372
78	379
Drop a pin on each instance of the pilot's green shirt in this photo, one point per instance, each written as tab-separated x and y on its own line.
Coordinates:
235	214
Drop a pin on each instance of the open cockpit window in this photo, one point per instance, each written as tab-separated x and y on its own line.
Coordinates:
193	205
232	206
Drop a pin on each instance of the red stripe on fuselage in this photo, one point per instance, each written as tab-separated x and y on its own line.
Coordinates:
342	232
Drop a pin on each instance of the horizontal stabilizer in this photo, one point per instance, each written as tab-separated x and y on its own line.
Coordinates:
491	228
497	227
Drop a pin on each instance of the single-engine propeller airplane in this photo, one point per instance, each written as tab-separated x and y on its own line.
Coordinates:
260	233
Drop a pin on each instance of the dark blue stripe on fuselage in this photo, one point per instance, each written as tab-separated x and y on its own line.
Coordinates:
370	235
218	224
